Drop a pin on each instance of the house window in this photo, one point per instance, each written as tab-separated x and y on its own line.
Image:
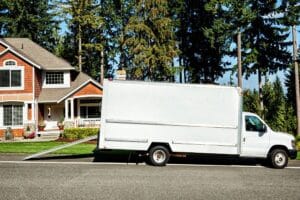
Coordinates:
10	63
90	109
12	115
10	78
54	78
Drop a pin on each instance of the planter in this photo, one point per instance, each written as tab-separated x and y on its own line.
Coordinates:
41	127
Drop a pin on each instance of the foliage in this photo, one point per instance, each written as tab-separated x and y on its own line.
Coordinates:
79	133
278	113
150	39
31	19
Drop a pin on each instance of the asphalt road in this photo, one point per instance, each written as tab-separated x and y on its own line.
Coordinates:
87	180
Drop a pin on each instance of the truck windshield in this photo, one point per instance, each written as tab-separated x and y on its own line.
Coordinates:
253	124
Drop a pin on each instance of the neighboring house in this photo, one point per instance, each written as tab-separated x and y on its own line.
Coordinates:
38	87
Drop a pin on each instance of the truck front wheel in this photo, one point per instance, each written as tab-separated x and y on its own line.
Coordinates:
278	158
159	156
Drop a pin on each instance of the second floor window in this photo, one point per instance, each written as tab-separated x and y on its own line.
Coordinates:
54	78
10	78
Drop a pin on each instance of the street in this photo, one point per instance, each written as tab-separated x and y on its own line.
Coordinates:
100	180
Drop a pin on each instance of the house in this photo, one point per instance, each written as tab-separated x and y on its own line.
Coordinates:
36	87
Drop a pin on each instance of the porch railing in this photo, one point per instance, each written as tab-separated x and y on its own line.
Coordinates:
88	123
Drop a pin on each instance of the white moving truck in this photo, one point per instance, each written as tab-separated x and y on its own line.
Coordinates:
161	119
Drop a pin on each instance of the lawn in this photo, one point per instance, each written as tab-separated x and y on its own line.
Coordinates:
34	147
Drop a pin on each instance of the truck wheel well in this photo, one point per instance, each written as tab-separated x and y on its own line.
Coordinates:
278	147
160	144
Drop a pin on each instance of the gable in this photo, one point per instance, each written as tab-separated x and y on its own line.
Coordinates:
2	48
89	90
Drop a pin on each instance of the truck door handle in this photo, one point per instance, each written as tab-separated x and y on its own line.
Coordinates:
244	139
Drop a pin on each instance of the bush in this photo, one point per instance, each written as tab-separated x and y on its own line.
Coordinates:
79	133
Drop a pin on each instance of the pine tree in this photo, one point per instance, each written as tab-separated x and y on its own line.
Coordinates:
150	40
264	43
30	19
85	25
203	40
251	101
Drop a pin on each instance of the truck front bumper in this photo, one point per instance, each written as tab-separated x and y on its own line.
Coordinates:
293	153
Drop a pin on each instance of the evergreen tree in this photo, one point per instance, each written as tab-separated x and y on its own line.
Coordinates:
84	37
31	19
264	42
251	101
150	40
203	39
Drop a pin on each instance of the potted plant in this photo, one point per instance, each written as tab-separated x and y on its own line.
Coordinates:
28	134
41	126
60	124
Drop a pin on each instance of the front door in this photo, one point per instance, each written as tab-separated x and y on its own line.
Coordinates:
255	137
53	113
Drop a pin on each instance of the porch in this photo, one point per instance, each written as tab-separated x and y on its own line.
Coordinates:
72	113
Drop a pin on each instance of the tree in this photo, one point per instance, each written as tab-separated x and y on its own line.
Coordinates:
203	40
84	39
150	40
264	43
291	11
30	19
251	101
275	109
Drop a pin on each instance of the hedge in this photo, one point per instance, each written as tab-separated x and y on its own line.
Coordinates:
79	133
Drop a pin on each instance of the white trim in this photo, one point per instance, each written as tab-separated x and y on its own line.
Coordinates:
5	61
9	48
66	79
204	143
78	88
87	96
14	67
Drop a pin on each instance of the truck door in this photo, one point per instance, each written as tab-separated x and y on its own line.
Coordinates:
255	137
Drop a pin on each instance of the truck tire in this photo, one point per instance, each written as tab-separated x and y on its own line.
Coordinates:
279	158
159	156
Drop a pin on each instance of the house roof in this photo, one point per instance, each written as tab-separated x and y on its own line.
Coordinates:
38	56
59	94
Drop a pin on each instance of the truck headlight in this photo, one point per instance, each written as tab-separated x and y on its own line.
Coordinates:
293	144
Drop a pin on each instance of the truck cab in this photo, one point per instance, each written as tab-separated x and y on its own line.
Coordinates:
260	141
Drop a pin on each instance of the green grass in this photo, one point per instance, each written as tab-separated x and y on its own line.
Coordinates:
298	155
34	147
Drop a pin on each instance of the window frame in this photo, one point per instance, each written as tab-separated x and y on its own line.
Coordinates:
256	127
11	68
13	107
66	80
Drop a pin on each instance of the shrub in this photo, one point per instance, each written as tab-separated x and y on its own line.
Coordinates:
79	133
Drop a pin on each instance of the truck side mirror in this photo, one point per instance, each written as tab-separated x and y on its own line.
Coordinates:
264	128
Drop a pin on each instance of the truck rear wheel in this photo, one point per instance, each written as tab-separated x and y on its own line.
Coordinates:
279	158
159	156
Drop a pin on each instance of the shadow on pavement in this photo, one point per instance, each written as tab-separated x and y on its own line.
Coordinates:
127	157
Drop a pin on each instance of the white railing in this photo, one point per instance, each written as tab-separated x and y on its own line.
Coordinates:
89	123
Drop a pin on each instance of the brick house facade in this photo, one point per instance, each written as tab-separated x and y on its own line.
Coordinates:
36	87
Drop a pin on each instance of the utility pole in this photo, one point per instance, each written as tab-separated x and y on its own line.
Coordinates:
239	60
296	77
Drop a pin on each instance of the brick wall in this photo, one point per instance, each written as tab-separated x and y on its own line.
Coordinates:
2	48
16	132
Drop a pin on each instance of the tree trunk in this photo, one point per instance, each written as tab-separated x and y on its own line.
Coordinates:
79	49
101	67
296	78
239	56
260	86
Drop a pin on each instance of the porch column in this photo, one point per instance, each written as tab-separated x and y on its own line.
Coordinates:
78	108
66	109
72	109
32	112
25	112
